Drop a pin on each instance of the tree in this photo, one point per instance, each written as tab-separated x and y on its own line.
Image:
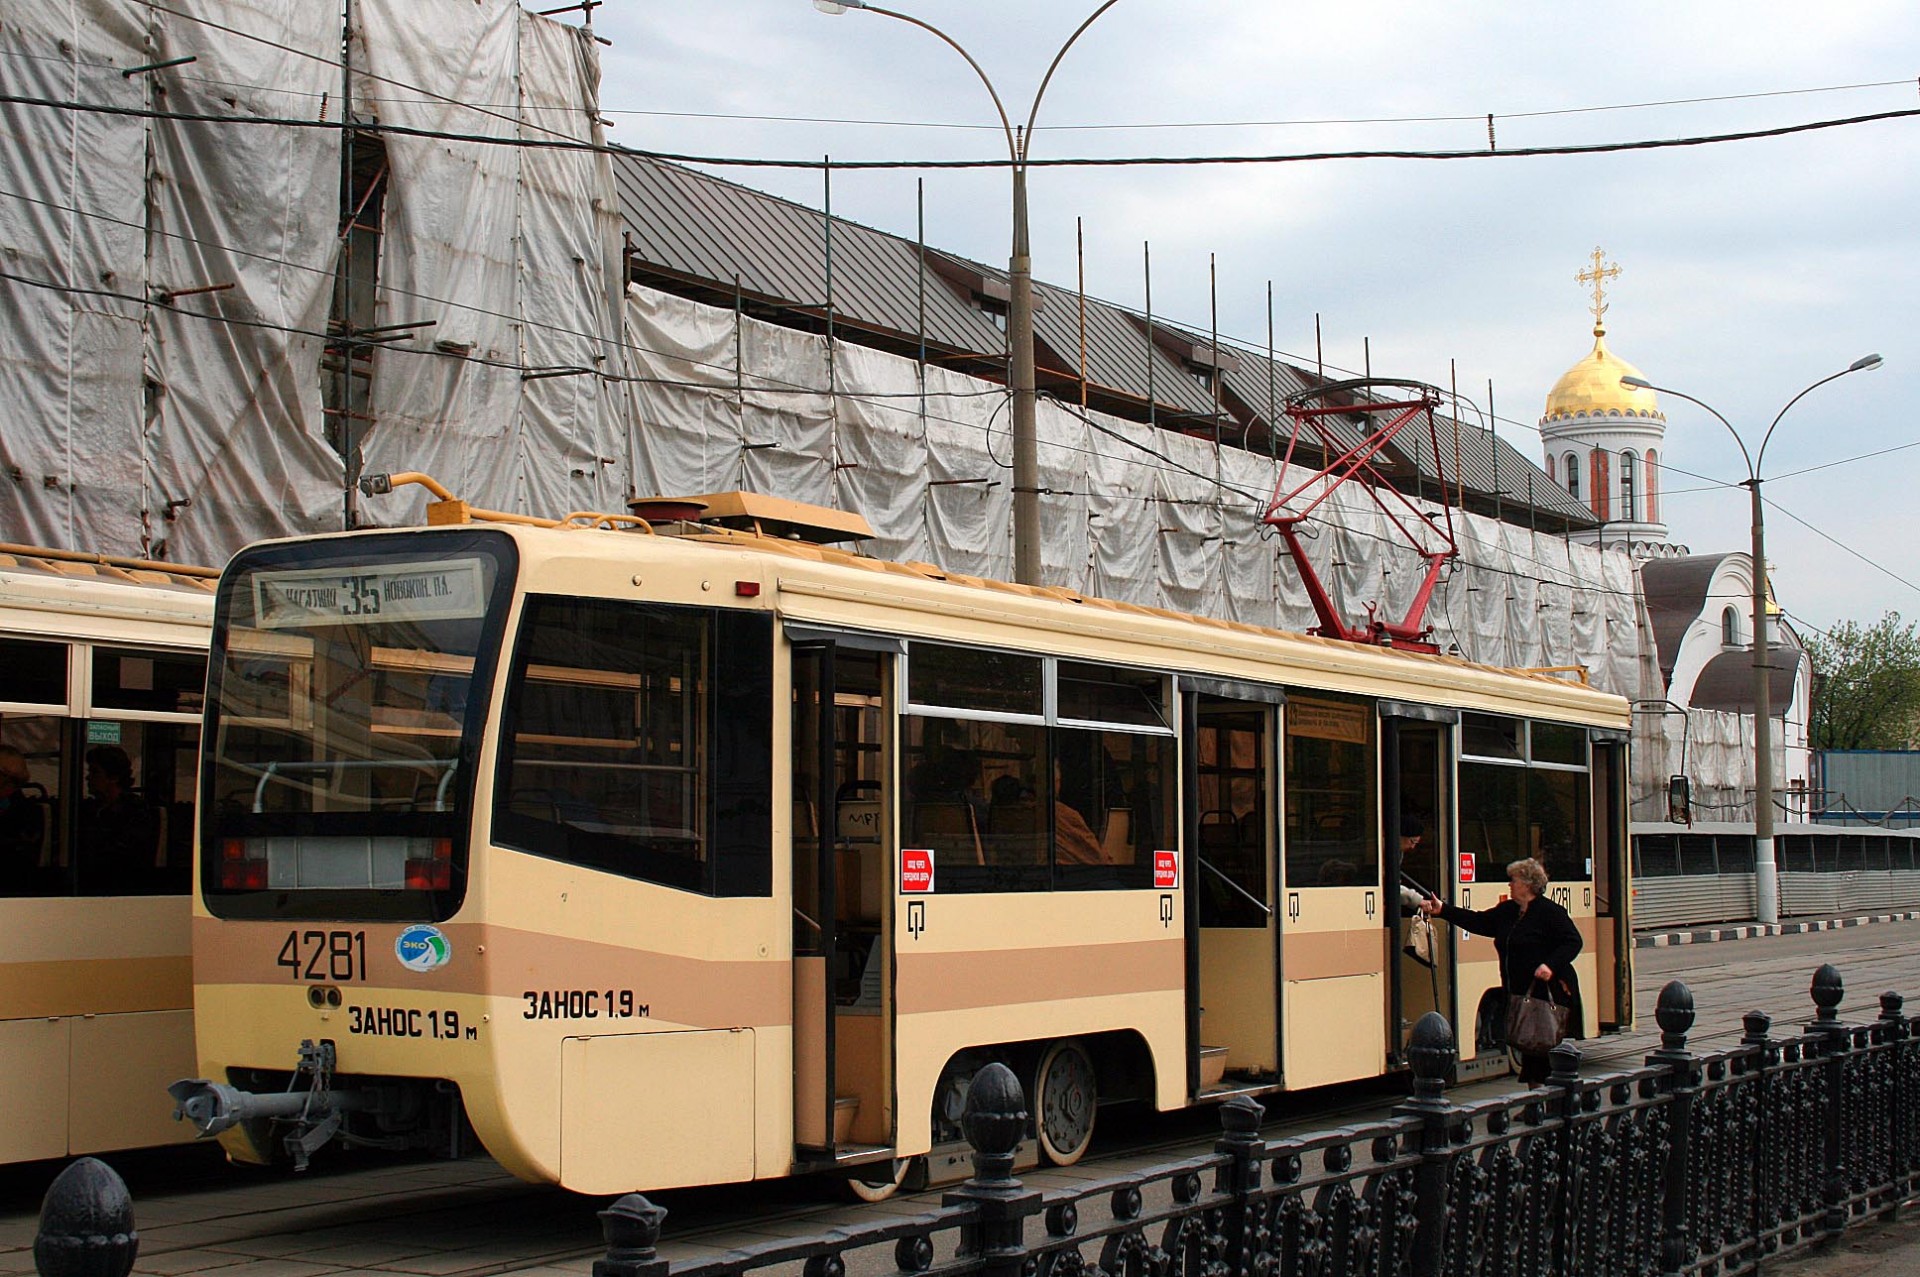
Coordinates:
1866	685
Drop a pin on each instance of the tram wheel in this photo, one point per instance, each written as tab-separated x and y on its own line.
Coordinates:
881	1180
1065	1093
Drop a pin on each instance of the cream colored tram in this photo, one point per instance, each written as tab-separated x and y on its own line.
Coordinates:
693	850
102	666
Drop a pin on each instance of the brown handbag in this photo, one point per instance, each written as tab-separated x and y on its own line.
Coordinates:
1536	1025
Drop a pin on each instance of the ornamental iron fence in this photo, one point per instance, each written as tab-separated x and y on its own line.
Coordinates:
1690	1164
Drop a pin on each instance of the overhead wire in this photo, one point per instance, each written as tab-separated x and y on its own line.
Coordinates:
1135	161
1473	117
1476	117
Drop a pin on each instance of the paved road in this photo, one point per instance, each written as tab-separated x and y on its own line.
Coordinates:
469	1219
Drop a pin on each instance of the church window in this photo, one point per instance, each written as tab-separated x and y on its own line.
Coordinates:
1629	503
1730	627
1573	476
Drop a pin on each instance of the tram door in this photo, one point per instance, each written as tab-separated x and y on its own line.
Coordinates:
1333	942
1416	767
843	1078
1234	1000
1613	941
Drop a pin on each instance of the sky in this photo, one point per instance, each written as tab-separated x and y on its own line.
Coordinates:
1750	269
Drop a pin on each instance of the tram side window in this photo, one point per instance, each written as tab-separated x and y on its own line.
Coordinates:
1008	797
1110	806
1525	792
130	831
134	835
33	673
30	771
638	740
164	682
1331	839
974	799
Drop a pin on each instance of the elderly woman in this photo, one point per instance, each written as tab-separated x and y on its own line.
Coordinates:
1537	943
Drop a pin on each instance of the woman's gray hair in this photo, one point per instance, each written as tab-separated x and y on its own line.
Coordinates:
1531	872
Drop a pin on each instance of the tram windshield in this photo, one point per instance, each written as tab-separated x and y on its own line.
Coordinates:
347	687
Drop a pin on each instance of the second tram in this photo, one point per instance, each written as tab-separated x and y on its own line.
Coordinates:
692	850
102	669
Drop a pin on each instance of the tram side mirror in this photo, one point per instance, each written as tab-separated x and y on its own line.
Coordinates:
1679	800
376	485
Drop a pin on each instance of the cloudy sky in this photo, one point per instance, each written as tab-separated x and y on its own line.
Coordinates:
1750	269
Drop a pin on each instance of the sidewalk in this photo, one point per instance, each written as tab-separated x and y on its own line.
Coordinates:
1891	1249
1663	938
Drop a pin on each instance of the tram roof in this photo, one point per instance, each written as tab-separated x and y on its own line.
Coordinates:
924	591
72	565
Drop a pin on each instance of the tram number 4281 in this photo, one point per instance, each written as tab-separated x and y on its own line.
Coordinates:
324	955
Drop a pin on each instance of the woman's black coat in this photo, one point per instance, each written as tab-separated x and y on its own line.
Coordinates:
1543	934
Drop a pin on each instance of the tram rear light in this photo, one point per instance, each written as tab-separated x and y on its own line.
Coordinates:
238	871
432	873
747	589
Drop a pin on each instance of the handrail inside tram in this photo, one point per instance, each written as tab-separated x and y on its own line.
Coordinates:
278	768
1238	890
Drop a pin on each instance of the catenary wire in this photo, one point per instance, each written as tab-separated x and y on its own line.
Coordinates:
1136	161
1475	117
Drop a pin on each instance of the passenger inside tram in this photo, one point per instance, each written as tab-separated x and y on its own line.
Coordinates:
1074	841
23	822
119	829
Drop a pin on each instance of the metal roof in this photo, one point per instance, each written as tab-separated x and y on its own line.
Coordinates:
702	233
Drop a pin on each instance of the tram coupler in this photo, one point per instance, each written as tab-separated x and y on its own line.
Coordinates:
315	1111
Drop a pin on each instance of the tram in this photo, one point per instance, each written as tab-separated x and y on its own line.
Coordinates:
684	847
102	671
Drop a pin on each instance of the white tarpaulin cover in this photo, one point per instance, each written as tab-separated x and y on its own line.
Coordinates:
167	282
182	426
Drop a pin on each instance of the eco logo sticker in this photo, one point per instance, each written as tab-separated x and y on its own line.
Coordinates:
422	948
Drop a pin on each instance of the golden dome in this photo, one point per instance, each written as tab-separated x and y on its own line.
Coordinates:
1591	390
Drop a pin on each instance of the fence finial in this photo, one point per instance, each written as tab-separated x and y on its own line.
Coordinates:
995	1119
86	1224
1431	1052
1675	1015
632	1229
1828	990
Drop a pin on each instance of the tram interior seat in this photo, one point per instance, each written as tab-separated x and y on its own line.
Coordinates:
1253	831
1116	836
1218	831
35	794
1014	835
949	828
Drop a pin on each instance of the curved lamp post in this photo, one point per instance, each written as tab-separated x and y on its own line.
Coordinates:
1765	869
1026	456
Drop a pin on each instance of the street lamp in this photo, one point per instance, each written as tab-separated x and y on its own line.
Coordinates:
1765	869
1026	452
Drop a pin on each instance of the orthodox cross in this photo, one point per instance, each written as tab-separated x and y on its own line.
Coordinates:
1598	276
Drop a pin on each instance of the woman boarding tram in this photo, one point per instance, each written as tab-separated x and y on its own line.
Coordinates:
677	852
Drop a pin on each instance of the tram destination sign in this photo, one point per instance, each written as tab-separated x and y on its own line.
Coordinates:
440	590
